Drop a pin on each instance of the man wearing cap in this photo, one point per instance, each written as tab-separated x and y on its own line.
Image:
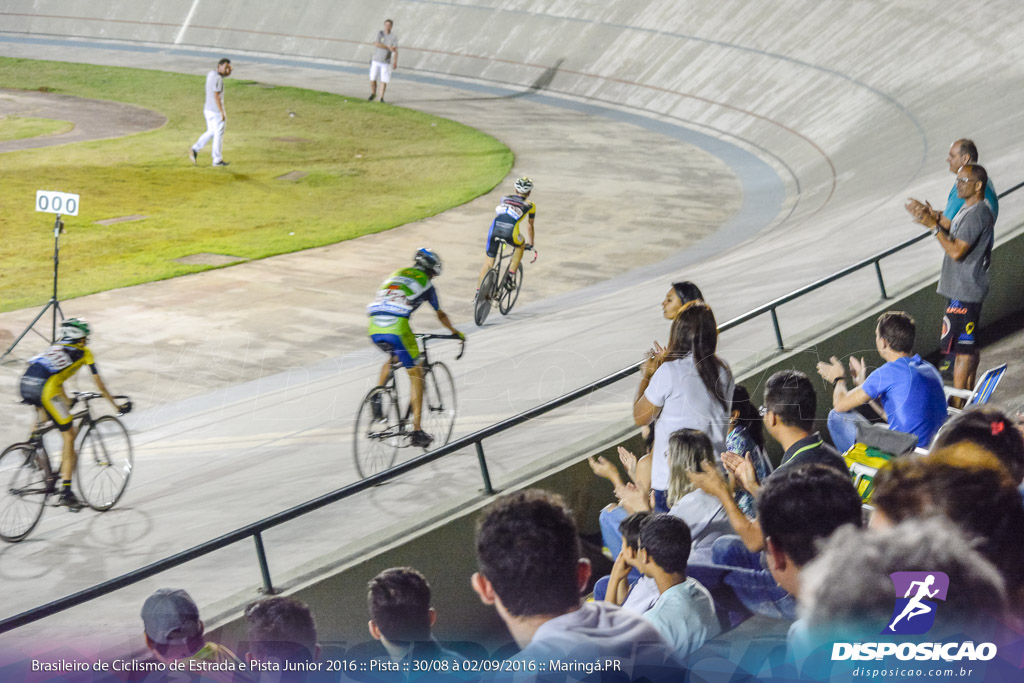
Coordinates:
174	632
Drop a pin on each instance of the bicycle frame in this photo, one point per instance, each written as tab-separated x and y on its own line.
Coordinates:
391	383
82	420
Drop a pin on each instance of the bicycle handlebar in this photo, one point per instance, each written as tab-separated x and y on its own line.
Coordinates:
427	337
87	396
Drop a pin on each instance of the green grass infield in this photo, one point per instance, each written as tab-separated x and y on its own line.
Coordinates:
367	167
18	127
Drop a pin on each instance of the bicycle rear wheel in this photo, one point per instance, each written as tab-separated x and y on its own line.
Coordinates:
377	436
482	307
438	418
23	492
507	297
105	463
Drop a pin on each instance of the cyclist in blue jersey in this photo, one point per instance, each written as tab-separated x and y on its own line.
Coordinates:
398	297
505	227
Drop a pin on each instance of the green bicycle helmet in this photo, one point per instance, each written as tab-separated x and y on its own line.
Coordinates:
74	329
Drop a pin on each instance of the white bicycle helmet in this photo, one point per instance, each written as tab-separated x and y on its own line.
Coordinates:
524	185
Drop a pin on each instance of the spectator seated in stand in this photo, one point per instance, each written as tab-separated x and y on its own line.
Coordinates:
531	571
797	508
174	632
684	612
970	487
282	633
637	594
688	451
906	391
788	417
639	472
401	617
990	428
746	437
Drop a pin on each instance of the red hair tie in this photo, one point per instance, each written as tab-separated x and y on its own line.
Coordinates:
997	428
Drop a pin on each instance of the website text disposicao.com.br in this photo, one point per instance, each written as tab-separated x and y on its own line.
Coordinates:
899	672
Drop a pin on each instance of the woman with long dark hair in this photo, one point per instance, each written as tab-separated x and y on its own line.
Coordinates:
685	386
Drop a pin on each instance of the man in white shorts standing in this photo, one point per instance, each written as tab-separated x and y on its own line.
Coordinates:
384	60
213	111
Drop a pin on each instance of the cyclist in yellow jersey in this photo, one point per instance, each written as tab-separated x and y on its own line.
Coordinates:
42	385
505	227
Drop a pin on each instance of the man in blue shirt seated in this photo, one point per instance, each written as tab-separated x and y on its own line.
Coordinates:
906	392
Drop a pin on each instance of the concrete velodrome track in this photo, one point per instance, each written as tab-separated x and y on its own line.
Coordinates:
751	147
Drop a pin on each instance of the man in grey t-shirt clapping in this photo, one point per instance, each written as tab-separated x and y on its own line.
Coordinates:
384	60
964	280
213	112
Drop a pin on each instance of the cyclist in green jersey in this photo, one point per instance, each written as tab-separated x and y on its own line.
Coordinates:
398	297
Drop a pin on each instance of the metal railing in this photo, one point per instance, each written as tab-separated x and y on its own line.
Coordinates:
256	529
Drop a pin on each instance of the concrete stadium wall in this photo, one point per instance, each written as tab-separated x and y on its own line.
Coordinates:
444	552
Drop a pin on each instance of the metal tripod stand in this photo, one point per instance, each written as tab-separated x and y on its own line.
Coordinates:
54	303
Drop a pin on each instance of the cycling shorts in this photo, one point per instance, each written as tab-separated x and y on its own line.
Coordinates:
960	328
503	229
48	395
397	339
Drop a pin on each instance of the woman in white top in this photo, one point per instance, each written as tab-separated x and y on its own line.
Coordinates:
684	386
688	450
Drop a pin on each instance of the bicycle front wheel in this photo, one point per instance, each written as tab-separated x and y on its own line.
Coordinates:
23	492
377	432
482	307
438	417
105	463
506	296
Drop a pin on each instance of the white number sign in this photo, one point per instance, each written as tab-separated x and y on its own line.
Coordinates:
63	203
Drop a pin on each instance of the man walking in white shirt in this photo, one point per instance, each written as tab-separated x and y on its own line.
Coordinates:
213	111
384	60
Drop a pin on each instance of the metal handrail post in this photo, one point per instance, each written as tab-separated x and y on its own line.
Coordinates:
881	282
261	555
483	468
778	331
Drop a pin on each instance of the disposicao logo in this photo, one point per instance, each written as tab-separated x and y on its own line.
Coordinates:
914	613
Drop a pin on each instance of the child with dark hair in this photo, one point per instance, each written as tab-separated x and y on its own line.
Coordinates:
401	617
282	629
746	439
991	429
637	594
684	613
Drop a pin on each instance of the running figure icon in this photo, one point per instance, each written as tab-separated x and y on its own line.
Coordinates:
916	607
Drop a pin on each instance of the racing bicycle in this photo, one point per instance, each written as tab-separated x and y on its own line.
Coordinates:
501	292
28	479
382	427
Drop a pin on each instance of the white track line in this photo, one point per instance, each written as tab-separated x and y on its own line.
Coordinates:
188	20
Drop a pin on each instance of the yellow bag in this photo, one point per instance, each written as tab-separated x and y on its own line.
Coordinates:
864	463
